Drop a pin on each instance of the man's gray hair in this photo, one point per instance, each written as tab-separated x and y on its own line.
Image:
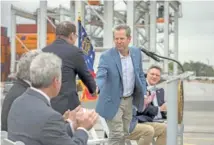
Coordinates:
44	68
65	28
123	27
23	65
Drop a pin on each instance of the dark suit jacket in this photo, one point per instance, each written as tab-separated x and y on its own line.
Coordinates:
33	121
151	111
72	64
160	99
18	88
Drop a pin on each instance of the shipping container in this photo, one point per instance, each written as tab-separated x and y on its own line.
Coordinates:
5	70
94	2
28	45
3	78
26	28
31	38
3	31
21	50
50	28
5	51
5	40
5	48
3	57
32	28
2	67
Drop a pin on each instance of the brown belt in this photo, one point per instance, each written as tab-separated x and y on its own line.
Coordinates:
125	97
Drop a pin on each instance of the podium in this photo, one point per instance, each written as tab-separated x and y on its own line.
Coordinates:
175	105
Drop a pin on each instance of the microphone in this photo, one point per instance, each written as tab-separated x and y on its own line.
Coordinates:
150	54
156	57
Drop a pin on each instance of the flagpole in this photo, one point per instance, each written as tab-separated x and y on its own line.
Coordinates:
79	30
79	17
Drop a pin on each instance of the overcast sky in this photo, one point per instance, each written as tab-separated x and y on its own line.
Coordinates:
196	27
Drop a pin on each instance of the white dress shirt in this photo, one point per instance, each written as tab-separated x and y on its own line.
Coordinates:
128	75
28	82
152	89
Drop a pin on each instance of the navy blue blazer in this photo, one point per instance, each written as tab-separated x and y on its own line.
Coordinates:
149	113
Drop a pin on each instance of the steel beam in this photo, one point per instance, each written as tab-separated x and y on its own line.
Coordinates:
72	9
131	21
66	11
80	12
166	35
96	23
175	5
108	16
42	35
61	14
13	41
120	16
23	13
147	29
143	5
38	28
175	66
100	16
153	25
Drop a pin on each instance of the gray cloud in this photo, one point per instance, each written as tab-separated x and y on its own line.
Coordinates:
196	31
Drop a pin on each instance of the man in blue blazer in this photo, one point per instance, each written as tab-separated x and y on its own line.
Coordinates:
121	83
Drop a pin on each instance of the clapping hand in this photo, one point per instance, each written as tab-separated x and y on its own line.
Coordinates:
86	118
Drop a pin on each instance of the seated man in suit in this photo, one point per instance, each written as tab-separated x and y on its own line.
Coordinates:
20	85
144	126
33	121
158	105
143	129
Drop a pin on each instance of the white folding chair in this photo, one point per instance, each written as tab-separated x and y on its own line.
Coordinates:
9	142
95	140
3	135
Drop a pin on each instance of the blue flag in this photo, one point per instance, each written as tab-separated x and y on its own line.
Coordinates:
84	43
